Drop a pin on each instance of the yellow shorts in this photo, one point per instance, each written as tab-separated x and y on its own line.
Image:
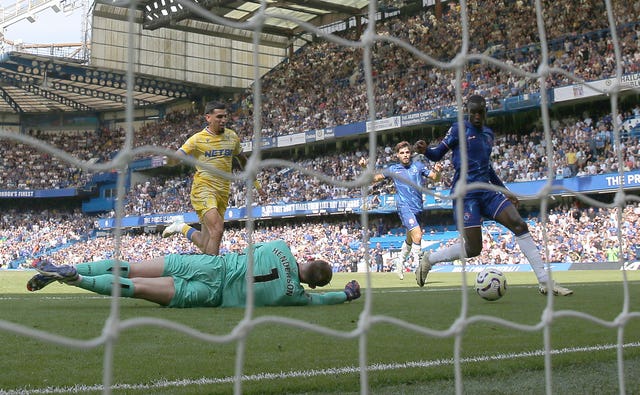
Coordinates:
205	200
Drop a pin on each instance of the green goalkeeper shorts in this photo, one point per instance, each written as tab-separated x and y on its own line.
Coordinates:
197	279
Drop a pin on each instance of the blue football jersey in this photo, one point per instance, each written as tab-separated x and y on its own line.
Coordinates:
479	146
407	195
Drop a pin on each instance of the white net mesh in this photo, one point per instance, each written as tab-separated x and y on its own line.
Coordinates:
538	73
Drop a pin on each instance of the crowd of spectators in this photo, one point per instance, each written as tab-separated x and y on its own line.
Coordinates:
582	146
572	234
301	94
25	167
322	85
25	233
158	195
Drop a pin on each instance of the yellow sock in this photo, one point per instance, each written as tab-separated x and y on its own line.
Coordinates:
187	231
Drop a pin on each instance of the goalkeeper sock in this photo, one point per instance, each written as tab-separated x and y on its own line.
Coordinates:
530	250
103	285
106	266
447	254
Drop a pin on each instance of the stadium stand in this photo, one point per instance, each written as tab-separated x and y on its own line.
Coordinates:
315	111
583	138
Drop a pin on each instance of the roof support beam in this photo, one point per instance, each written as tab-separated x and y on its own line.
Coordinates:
90	75
55	97
61	86
205	28
9	100
327	5
33	88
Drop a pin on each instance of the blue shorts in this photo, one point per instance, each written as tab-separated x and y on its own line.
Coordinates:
197	279
409	218
479	205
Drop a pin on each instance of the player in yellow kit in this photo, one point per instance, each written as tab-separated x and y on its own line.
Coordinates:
215	146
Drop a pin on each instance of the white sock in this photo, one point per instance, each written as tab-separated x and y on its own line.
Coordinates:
448	254
530	250
415	249
404	251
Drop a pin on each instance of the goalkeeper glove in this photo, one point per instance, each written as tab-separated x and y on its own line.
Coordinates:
352	289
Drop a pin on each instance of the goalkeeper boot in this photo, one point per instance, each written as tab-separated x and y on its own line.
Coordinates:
423	269
172	229
557	289
62	273
38	282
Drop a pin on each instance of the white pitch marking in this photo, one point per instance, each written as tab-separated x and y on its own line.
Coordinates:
309	373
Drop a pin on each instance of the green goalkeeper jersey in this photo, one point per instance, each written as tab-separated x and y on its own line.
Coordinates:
275	278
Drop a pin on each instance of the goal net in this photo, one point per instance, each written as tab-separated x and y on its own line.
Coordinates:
431	61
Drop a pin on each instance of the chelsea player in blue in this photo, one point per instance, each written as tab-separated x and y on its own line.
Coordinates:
479	203
409	201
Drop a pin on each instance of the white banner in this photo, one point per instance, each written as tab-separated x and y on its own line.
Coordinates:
384	124
291	139
595	88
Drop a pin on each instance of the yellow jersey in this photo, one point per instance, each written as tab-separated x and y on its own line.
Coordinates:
217	151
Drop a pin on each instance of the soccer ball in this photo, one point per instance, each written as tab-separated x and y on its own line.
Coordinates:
491	284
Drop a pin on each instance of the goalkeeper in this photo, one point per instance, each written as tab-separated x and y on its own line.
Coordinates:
206	280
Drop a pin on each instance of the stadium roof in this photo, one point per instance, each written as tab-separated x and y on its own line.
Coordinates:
174	14
231	19
36	84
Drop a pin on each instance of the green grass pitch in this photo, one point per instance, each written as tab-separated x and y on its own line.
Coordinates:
409	337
